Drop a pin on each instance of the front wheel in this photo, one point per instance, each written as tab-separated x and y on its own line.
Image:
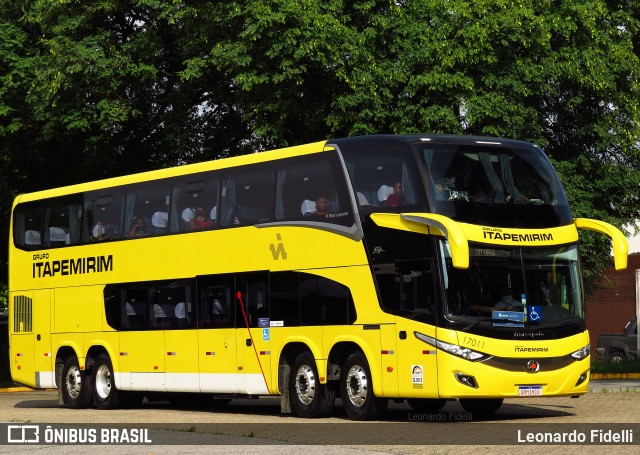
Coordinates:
356	390
309	398
481	406
76	389
105	394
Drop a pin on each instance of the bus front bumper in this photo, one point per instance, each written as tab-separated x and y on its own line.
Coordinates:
511	378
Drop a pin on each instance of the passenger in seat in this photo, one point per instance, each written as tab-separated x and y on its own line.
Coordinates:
200	221
396	197
138	227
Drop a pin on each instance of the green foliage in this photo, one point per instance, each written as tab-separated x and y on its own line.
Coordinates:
102	88
626	366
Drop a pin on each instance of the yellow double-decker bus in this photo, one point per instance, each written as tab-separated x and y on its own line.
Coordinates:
417	267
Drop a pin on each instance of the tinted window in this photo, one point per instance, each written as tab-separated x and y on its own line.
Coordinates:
285	298
146	210
64	221
247	196
28	224
324	301
254	289
495	185
303	181
152	305
171	306
383	177
103	216
217	301
195	205
134	308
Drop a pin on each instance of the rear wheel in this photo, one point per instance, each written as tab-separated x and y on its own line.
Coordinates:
308	397
76	388
356	390
427	404
103	386
481	406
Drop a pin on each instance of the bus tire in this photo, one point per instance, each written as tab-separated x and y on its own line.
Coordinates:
616	356
309	398
481	406
356	390
426	404
76	387
103	387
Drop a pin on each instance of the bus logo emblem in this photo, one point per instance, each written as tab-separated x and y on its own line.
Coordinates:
278	251
533	366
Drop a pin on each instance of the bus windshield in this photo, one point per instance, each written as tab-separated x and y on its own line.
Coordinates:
476	183
515	287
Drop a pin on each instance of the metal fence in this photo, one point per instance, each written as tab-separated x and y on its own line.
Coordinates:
610	305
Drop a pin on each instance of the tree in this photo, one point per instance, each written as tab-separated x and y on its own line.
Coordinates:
95	89
564	75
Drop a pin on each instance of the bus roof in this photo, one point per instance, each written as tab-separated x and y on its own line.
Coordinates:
435	138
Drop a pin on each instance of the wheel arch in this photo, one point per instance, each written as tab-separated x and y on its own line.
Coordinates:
62	354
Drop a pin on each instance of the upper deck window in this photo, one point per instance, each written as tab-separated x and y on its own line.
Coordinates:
103	215
247	196
312	188
383	177
494	185
146	210
28	221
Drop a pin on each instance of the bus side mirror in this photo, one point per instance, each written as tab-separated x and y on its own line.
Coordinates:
619	242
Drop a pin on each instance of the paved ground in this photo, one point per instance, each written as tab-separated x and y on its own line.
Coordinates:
614	385
256	426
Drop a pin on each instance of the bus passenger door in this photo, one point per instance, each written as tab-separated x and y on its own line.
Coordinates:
253	333
217	334
415	298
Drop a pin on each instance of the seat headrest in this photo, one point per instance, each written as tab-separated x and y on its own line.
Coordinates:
308	206
384	192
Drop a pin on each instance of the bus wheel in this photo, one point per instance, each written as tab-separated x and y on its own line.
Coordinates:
616	357
76	390
427	404
481	406
105	394
356	390
308	397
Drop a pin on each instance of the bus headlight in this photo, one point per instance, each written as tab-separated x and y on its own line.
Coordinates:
582	353
453	349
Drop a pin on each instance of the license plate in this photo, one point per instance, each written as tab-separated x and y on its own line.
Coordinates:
530	390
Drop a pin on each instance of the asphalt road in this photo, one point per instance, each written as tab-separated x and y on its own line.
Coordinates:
256	426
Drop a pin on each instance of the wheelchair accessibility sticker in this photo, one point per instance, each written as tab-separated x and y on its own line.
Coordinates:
265	334
534	313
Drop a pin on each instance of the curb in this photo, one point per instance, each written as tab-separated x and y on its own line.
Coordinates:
16	389
597	376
